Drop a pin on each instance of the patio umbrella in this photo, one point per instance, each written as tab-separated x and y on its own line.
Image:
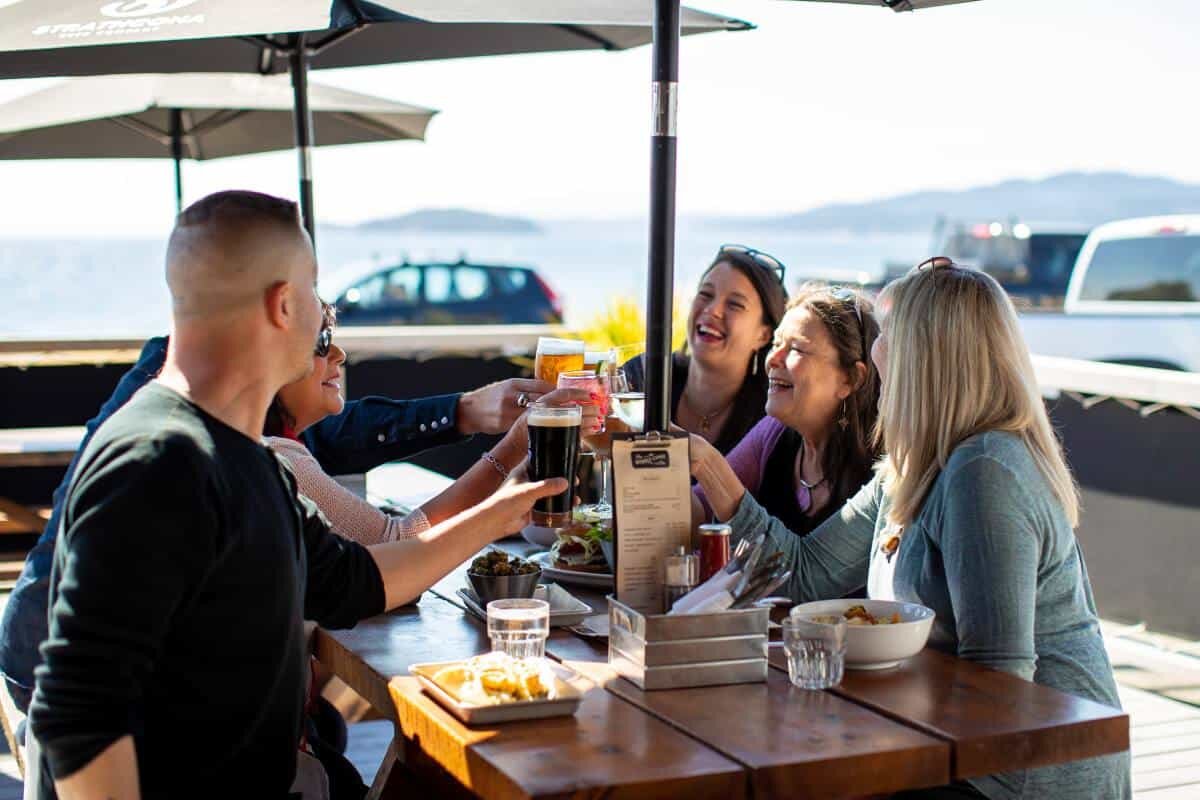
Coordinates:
661	285
198	116
95	37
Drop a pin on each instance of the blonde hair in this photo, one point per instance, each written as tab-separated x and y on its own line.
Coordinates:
957	366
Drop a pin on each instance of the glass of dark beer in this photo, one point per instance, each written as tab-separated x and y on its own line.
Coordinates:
553	451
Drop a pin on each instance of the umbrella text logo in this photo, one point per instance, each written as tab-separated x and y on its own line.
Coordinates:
138	20
143	8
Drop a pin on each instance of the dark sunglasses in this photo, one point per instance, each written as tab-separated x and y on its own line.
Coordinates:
325	335
844	294
324	341
764	260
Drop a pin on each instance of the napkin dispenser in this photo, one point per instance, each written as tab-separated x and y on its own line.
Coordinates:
660	651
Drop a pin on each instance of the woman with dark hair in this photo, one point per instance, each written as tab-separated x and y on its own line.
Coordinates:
815	448
719	380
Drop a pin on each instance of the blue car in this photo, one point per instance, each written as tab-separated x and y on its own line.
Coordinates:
449	294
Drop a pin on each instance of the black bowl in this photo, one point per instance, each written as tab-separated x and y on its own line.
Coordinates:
504	587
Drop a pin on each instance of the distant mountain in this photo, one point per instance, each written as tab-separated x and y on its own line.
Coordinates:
1073	197
450	220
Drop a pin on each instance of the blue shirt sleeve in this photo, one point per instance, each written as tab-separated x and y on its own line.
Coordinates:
376	430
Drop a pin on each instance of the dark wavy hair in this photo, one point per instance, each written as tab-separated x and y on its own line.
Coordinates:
279	421
771	294
849	317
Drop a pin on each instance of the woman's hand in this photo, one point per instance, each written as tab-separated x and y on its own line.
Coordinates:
507	510
700	453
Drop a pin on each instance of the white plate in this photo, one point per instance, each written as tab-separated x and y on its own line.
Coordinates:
599	579
565	608
542	537
566	701
877	646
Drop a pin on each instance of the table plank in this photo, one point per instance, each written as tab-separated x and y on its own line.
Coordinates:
609	748
609	743
996	722
795	743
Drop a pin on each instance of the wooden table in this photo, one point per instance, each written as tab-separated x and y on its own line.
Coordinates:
33	447
934	719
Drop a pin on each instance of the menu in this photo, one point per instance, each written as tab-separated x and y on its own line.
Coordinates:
652	509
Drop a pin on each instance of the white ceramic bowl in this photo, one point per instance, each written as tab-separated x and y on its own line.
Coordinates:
542	537
877	646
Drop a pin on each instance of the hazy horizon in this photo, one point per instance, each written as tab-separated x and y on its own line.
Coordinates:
821	104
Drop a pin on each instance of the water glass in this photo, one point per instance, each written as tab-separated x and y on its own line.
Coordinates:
519	627
816	652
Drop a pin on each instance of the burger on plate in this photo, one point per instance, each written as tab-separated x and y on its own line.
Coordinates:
580	546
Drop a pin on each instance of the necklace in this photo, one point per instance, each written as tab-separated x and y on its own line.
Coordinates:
707	419
800	472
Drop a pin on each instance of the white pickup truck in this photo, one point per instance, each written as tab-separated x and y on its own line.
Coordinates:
1133	298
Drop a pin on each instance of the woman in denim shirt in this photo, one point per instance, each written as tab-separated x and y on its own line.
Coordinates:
970	513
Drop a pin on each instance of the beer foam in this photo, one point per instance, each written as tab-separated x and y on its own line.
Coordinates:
559	347
554	417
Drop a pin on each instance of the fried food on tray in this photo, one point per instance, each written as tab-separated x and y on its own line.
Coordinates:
496	678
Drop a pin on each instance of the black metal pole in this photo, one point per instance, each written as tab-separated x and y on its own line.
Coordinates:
177	154
661	284
302	119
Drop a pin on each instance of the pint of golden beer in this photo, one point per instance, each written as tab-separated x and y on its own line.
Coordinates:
555	356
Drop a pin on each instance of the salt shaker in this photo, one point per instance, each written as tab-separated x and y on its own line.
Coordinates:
682	575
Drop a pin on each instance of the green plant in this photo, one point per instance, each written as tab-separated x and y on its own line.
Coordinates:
622	324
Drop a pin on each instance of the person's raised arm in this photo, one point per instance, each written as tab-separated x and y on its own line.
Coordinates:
829	562
484	477
411	566
990	550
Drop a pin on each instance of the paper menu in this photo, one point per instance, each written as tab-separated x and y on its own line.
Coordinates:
652	500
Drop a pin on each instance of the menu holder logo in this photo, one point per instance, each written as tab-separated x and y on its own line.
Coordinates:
651	459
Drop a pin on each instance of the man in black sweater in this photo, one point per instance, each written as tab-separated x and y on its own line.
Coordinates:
175	665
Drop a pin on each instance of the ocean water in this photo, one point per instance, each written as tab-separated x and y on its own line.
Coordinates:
109	287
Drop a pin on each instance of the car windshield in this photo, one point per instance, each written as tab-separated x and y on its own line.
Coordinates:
1162	268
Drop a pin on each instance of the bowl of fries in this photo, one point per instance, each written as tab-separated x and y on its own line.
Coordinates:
879	633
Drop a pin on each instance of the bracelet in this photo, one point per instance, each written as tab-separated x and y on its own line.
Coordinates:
495	462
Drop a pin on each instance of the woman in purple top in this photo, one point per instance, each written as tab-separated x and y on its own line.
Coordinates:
816	446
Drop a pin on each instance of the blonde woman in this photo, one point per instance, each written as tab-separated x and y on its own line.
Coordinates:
971	512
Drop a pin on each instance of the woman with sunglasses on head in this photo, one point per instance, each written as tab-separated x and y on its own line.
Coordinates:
970	513
719	382
814	449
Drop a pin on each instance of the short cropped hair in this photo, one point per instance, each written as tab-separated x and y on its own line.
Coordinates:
239	205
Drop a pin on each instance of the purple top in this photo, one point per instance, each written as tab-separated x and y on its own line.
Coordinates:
749	460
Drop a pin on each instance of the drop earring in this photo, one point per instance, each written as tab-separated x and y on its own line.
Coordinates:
844	422
754	364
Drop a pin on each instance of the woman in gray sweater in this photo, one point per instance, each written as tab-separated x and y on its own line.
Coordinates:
970	513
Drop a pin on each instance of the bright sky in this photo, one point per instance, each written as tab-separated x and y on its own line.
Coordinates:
822	103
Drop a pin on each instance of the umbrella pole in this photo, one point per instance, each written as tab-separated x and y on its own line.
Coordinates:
661	284
302	118
177	154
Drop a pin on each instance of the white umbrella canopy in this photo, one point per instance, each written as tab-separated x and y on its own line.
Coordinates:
95	37
130	116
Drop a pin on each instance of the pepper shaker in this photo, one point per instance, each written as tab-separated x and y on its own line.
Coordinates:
682	575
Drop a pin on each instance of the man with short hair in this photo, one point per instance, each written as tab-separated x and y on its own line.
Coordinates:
175	664
367	433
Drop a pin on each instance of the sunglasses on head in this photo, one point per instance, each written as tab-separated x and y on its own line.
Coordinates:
844	294
764	260
936	262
